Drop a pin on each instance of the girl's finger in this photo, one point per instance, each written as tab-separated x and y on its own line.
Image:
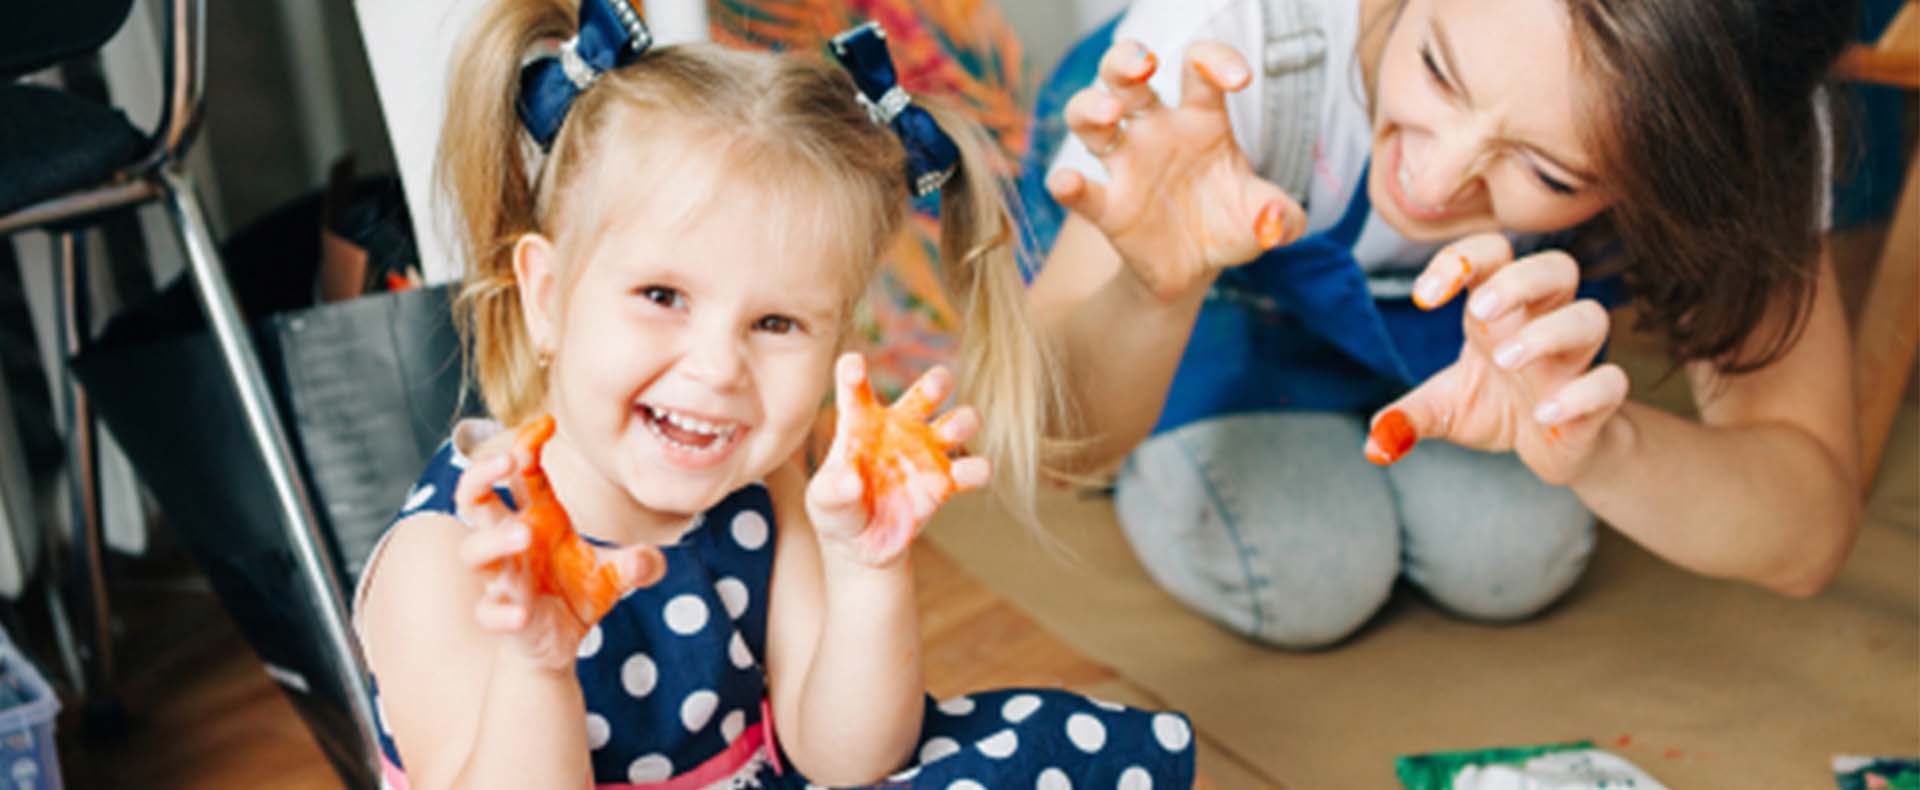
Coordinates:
474	499
1541	282
500	617
639	566
920	400
1094	116
1125	70
1213	70
970	473
957	426
1077	194
1460	265
1599	391
486	546
1573	331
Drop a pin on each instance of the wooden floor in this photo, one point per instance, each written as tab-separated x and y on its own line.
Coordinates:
204	714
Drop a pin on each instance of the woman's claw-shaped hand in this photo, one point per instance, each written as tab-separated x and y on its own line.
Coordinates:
888	469
545	584
1181	200
1525	379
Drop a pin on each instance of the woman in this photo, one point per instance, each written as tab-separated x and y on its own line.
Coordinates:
1481	180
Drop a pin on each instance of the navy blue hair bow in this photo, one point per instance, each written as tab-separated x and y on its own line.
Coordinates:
932	158
555	72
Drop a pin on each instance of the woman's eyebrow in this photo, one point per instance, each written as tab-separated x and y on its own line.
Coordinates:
1460	82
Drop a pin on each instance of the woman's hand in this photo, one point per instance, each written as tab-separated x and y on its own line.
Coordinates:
1524	381
1181	201
888	470
542	627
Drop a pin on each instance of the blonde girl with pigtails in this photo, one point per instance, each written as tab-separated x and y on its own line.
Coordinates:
627	578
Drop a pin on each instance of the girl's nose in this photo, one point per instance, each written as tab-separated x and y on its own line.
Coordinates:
714	358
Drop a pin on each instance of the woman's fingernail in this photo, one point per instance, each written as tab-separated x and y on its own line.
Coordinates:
1509	354
1548	413
1270	228
1429	291
1392	436
1149	63
1484	305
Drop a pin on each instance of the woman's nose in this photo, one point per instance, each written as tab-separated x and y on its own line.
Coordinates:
1451	163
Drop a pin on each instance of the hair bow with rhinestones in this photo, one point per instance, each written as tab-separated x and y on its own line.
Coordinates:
554	72
932	157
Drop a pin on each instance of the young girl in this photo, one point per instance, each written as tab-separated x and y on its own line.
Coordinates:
1473	173
664	249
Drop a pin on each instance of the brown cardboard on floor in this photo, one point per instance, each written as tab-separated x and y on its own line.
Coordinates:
1710	684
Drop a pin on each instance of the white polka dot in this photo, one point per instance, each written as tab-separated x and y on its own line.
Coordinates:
750	530
686	614
698	709
417	497
589	644
458	460
1086	732
1019	708
958	706
999	745
1105	705
1053	779
1172	732
598	731
734	724
651	768
737	650
1136	778
639	675
936	748
905	775
966	784
733	595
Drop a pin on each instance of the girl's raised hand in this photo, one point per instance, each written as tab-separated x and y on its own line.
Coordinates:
1181	200
545	584
888	469
1525	379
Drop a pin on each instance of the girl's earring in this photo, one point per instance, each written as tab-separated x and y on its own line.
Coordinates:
543	357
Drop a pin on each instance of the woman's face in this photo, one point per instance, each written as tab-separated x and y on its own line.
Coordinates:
1479	109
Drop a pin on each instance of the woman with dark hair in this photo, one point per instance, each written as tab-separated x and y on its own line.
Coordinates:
1479	183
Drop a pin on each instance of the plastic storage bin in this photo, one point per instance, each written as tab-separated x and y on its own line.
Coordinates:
28	759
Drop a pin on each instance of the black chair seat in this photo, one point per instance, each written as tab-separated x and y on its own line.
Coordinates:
52	143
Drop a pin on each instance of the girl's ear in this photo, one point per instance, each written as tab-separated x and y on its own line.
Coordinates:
534	274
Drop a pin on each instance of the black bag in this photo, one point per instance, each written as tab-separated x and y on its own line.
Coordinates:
367	388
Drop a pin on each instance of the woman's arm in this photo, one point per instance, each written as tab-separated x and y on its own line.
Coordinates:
1765	488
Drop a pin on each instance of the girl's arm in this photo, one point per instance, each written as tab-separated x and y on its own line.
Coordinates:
1126	277
843	635
1764	488
464	712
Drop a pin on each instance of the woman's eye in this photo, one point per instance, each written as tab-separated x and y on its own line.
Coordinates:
777	324
663	296
1433	68
1556	185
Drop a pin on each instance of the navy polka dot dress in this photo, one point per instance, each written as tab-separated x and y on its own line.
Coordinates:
676	697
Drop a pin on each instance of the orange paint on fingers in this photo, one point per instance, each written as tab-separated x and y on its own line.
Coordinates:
558	559
1270	228
1391	438
1453	287
890	448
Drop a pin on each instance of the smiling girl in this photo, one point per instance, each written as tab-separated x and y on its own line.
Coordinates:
1483	181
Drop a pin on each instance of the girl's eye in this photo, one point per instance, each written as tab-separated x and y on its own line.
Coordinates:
776	324
1433	68
1556	185
663	296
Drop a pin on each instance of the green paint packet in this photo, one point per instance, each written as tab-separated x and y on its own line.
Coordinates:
1559	766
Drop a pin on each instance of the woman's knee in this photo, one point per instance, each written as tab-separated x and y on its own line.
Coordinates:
1486	538
1245	520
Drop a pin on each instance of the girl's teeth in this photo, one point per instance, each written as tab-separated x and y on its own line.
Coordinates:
686	423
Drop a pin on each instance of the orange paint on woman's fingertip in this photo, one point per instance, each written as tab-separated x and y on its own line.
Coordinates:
1152	64
1391	438
1270	228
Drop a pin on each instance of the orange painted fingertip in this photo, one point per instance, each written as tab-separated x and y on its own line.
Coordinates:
1392	436
1270	228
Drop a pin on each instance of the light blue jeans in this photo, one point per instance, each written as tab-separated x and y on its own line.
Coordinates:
1277	527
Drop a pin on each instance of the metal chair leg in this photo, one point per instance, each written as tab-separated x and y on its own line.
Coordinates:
270	439
83	581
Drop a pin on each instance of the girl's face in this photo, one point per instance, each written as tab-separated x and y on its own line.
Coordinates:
1478	112
696	338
